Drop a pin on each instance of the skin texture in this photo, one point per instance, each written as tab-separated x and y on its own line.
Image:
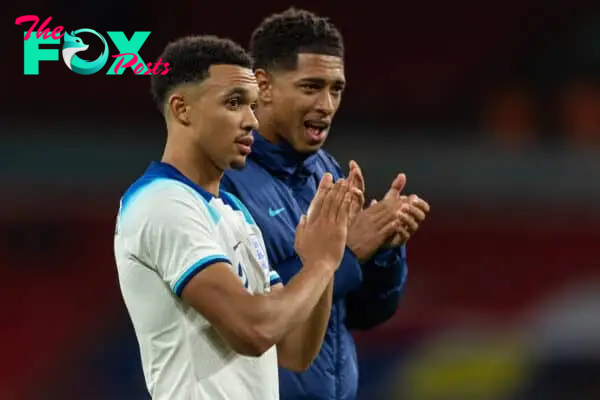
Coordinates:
210	124
289	99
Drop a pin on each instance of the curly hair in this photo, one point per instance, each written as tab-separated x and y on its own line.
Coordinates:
190	59
278	40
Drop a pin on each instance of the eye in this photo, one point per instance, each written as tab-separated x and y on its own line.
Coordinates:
253	106
337	90
234	103
310	86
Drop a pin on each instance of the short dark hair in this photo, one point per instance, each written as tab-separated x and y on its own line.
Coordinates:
278	40
190	59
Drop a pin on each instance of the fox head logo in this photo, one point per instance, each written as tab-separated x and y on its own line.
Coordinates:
73	44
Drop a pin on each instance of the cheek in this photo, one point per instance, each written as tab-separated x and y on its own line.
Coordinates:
292	110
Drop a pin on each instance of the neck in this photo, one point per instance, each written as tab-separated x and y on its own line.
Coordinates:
267	127
192	163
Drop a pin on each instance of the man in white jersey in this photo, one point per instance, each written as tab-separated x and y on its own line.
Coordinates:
211	317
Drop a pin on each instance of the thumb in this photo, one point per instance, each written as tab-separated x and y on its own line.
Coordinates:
299	232
326	181
317	201
301	224
397	186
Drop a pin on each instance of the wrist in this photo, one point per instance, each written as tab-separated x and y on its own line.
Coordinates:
385	257
359	253
319	264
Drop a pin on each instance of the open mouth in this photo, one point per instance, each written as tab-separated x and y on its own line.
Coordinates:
316	130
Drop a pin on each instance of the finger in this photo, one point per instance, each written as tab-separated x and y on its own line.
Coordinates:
389	229
387	210
402	236
415	212
358	178
408	223
396	240
397	186
316	204
345	209
300	229
333	200
302	221
301	224
420	203
358	198
357	206
340	205
373	202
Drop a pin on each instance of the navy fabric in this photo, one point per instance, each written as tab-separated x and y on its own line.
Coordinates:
277	186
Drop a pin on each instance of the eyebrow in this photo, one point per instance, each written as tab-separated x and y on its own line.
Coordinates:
240	91
323	82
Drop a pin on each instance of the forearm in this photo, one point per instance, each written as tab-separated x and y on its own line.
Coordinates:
283	311
301	346
378	297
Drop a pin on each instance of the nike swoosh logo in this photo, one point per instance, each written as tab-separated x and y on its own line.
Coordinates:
273	213
237	245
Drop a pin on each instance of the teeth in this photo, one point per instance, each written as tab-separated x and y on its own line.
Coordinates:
317	126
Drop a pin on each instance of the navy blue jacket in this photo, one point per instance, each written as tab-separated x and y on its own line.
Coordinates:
277	187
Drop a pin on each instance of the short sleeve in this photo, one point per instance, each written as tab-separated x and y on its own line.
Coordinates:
259	244
274	278
174	232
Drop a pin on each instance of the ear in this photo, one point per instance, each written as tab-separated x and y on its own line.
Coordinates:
179	109
265	87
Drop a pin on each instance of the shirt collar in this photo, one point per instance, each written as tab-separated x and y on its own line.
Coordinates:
282	159
159	169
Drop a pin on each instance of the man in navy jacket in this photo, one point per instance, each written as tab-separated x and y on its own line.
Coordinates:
300	71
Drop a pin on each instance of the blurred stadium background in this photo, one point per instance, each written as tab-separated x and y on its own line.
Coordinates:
491	108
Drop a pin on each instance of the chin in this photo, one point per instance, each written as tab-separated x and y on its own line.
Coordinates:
308	148
238	163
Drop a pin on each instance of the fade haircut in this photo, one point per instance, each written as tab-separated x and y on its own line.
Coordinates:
190	59
277	41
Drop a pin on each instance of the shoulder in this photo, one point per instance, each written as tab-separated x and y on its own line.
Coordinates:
156	203
150	193
236	204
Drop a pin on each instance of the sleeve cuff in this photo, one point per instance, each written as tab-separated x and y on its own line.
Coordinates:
195	268
385	258
274	278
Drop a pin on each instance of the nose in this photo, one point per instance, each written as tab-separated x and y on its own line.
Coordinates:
325	103
249	123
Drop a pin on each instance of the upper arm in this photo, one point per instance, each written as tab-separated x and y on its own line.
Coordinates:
218	295
174	234
177	237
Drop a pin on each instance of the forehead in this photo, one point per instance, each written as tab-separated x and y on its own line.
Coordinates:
322	66
225	77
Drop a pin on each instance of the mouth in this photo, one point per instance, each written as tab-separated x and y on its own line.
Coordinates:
245	144
316	130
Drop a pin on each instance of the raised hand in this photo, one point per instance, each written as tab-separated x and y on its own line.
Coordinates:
321	234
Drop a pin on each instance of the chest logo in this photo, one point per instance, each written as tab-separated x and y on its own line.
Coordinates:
273	213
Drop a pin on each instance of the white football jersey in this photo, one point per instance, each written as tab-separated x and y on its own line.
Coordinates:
169	229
